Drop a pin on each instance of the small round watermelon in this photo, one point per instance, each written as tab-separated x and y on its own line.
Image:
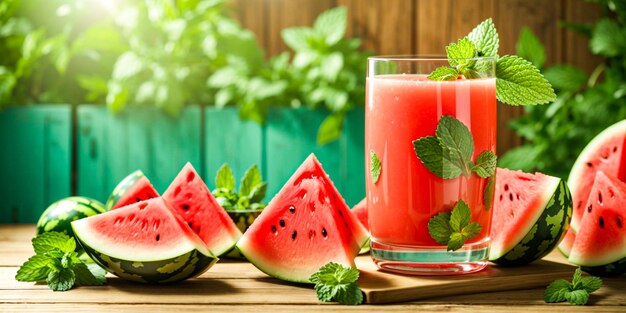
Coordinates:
58	216
599	246
603	153
133	188
531	214
144	242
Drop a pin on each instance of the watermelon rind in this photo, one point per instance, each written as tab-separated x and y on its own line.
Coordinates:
547	231
122	187
565	246
612	269
60	214
574	180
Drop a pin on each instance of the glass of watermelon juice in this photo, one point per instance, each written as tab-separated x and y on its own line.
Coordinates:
403	105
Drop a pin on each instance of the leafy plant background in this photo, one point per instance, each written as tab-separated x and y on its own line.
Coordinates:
169	53
586	104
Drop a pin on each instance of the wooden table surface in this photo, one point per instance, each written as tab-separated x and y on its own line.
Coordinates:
231	285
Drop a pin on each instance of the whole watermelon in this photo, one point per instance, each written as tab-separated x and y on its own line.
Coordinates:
59	215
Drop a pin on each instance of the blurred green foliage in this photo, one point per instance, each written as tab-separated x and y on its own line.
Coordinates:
169	53
555	134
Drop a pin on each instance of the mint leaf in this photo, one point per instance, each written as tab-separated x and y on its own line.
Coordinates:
331	25
250	179
330	129
334	282
591	283
453	229
518	82
35	269
459	53
225	178
439	160
604	38
555	292
485	39
488	193
258	193
375	166
577	297
455	135
89	275
530	48
485	164
53	240
444	73
61	280
439	228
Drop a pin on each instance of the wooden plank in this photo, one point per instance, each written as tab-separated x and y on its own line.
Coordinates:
252	15
228	139
510	16
109	147
353	170
35	162
386	27
576	51
442	22
290	137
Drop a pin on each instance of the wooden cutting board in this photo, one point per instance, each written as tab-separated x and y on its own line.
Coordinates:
384	287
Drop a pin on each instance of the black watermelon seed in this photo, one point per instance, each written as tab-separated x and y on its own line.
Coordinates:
589	208
293	235
589	164
324	233
282	223
292	209
506	187
580	203
511	196
600	197
500	197
158	237
601	222
614	149
340	213
311	233
137	199
185	207
190	224
274	228
618	219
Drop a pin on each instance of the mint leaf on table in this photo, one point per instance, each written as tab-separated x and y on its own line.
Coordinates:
56	262
375	166
225	178
485	39
334	282
577	292
455	228
519	82
449	153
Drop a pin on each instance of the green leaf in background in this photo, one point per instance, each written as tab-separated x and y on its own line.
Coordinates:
251	179
519	82
330	129
225	178
605	39
530	48
331	25
565	77
296	38
485	39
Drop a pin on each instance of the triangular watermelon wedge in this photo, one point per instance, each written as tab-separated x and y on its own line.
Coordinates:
601	238
135	187
189	196
305	226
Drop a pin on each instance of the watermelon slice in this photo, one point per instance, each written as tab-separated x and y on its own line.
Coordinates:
189	196
144	242
305	226
568	241
133	188
360	211
531	215
600	244
604	153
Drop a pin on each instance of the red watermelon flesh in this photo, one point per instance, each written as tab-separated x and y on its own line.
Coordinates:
140	191
360	211
305	226
189	196
604	153
601	239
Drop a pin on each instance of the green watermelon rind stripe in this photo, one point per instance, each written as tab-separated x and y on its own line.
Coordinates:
93	207
613	269
538	243
147	271
123	187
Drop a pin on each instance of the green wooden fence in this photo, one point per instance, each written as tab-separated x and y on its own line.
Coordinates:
108	147
35	162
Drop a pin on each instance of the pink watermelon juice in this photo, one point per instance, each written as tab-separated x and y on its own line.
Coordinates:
401	109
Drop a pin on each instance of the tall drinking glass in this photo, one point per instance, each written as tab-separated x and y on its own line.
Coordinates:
403	105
